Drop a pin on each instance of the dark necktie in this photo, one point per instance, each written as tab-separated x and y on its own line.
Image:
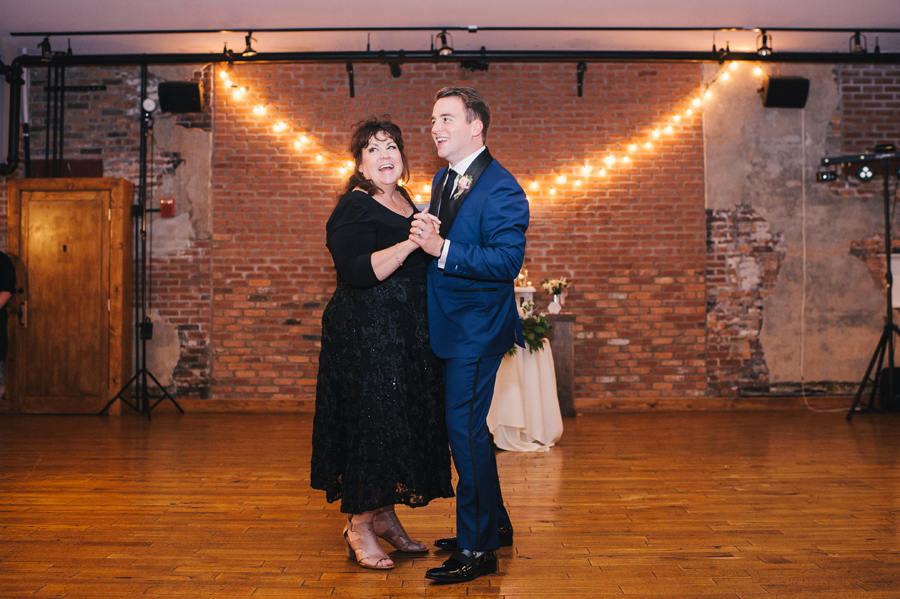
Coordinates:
445	193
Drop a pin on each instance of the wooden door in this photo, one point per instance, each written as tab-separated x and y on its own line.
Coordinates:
68	339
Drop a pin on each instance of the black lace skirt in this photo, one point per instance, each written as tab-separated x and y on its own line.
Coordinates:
379	436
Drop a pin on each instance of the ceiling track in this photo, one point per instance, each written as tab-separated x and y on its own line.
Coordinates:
14	71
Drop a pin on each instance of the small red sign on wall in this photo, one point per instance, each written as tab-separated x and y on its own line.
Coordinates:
167	207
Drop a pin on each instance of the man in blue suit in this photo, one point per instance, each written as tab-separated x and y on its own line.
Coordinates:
478	240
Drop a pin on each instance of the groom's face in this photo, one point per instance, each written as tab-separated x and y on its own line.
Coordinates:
454	137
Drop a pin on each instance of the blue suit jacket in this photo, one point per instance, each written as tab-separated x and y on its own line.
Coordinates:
471	301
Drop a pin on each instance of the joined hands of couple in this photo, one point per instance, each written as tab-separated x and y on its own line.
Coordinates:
425	232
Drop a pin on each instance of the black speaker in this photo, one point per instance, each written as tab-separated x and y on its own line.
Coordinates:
180	96
784	92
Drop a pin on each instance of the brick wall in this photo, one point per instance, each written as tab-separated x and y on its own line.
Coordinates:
870	105
870	115
743	260
632	240
246	303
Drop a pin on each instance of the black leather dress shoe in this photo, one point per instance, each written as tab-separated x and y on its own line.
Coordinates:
463	567
450	544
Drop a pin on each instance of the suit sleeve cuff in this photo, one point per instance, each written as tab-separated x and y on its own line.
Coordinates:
445	249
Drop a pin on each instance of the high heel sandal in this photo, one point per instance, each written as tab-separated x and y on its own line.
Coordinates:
362	545
388	527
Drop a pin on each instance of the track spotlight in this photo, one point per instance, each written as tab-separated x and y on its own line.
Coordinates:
249	51
445	39
858	43
395	68
865	173
828	175
229	55
763	43
46	52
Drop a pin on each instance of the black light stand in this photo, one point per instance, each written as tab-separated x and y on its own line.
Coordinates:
145	326
884	155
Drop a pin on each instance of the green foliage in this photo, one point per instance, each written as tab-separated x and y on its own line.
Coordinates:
534	329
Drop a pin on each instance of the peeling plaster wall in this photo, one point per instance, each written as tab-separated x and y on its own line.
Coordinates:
766	159
186	177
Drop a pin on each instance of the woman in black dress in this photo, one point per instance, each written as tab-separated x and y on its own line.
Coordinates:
378	435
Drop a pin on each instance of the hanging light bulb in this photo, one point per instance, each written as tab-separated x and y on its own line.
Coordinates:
445	39
858	43
46	52
763	41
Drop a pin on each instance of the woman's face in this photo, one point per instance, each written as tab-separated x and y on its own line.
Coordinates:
381	161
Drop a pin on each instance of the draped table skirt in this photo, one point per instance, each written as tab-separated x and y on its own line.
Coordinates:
524	414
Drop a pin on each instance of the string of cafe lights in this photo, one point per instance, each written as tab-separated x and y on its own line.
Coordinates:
598	167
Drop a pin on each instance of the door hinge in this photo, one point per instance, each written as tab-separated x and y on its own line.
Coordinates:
109	216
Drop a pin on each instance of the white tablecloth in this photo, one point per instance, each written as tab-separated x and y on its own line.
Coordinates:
524	413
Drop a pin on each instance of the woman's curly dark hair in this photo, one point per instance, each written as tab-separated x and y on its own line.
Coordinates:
363	131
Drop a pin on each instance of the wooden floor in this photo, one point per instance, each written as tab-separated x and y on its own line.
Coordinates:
687	505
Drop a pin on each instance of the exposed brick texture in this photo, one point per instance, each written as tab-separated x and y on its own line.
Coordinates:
662	305
632	241
870	105
743	260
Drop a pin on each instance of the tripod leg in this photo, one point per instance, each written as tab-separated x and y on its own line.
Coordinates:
878	357
119	396
165	395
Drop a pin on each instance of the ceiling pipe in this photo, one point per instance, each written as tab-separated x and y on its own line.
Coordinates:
468	28
13	74
462	55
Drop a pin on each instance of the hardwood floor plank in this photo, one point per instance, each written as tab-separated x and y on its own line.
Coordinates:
679	505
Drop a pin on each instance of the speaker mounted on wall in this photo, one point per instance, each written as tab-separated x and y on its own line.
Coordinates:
784	92
180	96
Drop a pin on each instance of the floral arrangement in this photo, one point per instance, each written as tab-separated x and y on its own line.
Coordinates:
534	329
555	286
463	185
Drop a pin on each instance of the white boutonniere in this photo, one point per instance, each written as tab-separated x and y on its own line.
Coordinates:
463	185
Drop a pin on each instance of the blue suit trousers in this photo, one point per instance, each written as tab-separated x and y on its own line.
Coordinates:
469	386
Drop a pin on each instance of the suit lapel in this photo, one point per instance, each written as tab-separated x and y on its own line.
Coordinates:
455	203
